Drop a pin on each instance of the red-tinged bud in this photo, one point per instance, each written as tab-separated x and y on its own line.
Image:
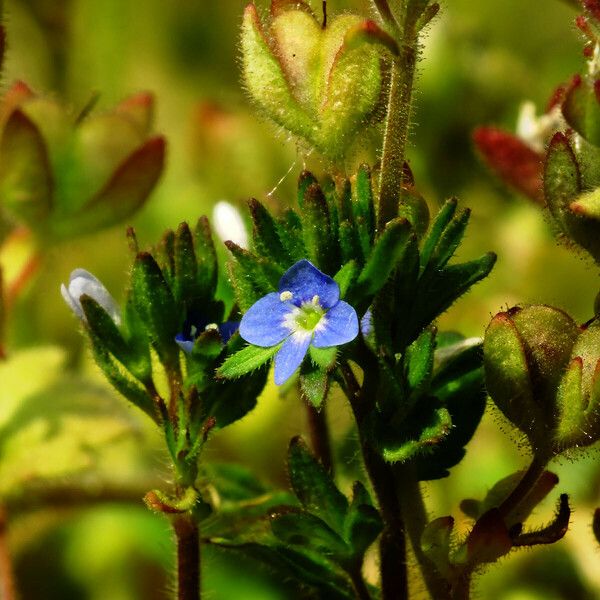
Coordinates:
112	165
517	164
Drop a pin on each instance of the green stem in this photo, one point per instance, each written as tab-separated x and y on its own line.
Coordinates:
461	590
188	557
529	479
392	544
415	517
319	435
396	130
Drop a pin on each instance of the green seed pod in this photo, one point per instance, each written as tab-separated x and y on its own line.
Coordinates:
321	84
526	352
578	396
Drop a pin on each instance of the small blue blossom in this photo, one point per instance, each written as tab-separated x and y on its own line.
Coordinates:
196	324
306	310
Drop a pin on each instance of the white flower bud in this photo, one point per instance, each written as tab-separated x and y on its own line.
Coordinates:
228	224
82	282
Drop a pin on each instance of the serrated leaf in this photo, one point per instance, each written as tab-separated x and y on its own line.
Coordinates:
246	360
363	523
316	227
385	256
449	240
419	362
314	487
441	221
459	382
290	233
314	383
346	276
186	266
301	528
427	425
265	237
156	306
440	291
206	257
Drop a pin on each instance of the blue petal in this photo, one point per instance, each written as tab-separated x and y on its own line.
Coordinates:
227	329
263	325
305	281
338	326
184	343
290	356
366	323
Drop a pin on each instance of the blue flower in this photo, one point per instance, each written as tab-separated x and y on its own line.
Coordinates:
306	310
195	324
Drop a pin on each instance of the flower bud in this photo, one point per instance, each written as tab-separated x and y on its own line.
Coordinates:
63	179
83	283
526	351
321	84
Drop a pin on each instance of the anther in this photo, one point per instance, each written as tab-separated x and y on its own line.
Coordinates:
285	296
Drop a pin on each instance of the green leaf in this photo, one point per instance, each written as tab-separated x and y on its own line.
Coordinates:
107	334
246	360
449	240
438	292
427	425
290	233
156	306
263	273
349	243
325	358
206	257
314	487
346	276
265	236
387	253
419	362
436	229
300	528
122	381
458	381
363	523
314	383
234	482
185	284
316	227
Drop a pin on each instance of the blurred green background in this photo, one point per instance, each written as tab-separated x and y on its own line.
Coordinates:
62	427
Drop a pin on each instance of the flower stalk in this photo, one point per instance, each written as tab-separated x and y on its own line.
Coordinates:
188	557
397	125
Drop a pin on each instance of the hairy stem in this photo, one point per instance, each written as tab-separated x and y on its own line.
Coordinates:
358	583
319	435
396	130
7	583
392	544
415	516
188	557
529	479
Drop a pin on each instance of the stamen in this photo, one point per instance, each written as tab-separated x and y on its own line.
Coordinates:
285	296
211	327
315	300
